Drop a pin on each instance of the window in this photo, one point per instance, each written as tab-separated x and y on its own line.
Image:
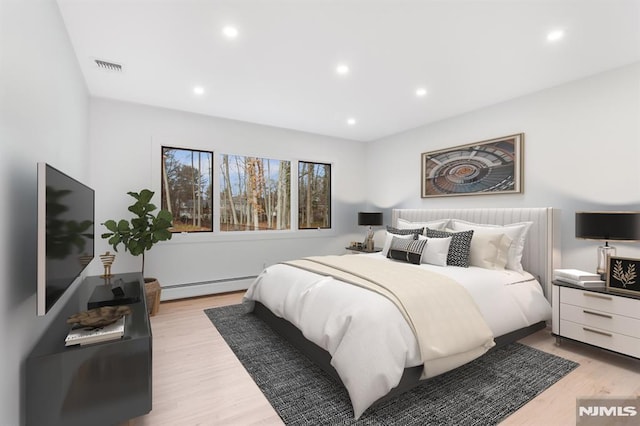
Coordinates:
187	188
255	193
314	195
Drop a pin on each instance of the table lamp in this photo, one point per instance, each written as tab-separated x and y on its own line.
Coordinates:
369	219
607	226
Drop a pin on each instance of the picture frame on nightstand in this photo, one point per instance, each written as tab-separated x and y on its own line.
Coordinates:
622	275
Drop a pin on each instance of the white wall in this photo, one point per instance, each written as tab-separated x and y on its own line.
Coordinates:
126	141
43	117
582	152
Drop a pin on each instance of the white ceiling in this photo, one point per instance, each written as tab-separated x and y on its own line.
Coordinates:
280	70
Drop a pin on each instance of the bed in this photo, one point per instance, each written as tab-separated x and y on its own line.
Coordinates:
376	348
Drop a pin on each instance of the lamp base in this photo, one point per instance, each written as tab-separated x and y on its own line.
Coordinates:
368	244
368	241
604	252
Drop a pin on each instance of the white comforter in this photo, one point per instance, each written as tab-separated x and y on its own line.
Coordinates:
369	340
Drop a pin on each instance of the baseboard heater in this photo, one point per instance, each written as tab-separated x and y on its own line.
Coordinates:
204	288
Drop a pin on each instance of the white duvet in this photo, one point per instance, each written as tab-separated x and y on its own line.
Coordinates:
369	340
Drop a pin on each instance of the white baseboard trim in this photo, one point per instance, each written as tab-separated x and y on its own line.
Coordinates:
183	291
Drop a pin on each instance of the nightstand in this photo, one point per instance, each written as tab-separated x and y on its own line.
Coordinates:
364	250
597	316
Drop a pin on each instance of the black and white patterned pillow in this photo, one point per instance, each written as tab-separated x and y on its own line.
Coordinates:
460	247
407	250
397	231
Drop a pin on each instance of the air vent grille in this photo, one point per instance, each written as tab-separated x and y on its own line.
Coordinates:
109	66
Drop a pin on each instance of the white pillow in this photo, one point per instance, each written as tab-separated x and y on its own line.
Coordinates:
389	238
436	251
516	231
489	250
434	224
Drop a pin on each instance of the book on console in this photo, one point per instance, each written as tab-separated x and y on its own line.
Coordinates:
87	335
575	274
582	283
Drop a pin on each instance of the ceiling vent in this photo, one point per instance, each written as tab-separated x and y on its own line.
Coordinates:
108	66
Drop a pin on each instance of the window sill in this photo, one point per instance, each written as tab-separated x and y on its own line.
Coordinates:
219	237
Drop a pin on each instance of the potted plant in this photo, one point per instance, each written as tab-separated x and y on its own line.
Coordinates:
141	233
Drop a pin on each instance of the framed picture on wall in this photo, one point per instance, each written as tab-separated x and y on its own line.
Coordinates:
622	274
489	167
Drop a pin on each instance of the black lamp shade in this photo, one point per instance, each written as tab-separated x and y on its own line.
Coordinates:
370	218
608	226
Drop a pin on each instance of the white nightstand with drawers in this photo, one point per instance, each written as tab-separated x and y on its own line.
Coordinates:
598	317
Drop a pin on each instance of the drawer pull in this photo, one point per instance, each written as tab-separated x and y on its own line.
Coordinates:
597	332
597	296
597	314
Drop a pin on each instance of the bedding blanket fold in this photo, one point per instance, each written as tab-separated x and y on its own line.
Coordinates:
447	324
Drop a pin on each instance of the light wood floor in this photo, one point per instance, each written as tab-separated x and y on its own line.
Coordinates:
197	380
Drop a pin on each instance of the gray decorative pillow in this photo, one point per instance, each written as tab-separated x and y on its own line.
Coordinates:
460	247
407	250
397	231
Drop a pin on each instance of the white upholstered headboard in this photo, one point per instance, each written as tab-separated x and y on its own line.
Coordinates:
542	248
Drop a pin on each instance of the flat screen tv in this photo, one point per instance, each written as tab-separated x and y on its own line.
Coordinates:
65	233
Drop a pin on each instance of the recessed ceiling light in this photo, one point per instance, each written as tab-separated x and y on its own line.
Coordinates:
342	69
198	90
351	121
555	35
230	32
420	92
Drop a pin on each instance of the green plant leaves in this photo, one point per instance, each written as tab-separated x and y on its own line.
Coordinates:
111	226
114	240
165	215
123	226
142	232
161	235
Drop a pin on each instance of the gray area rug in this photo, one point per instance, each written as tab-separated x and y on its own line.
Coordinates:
480	393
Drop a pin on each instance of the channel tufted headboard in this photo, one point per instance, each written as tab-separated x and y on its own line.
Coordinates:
542	248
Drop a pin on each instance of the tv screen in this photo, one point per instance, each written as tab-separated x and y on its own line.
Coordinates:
65	233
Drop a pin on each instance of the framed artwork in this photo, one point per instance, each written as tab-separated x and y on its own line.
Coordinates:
488	167
622	274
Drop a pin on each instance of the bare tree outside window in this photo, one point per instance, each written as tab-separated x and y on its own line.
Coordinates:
255	193
314	195
187	188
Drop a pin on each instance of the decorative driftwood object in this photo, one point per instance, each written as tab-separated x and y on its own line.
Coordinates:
99	317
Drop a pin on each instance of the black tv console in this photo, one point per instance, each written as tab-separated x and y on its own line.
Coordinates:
100	384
